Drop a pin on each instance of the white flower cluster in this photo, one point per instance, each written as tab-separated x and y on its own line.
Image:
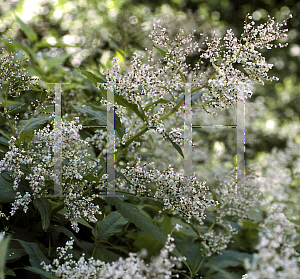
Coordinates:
276	257
236	198
38	160
230	84
131	267
214	243
184	196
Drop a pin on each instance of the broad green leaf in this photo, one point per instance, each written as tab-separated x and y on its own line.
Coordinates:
31	124
110	225
177	146
39	271
160	101
132	213
27	29
36	256
3	254
6	190
85	223
45	209
166	225
98	115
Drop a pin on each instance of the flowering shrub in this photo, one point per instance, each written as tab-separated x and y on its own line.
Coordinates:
131	267
148	98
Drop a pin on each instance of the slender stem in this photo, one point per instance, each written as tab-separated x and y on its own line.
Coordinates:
95	240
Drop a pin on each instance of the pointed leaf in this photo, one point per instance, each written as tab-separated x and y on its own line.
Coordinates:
95	79
36	256
27	29
6	190
110	225
123	102
163	52
98	115
31	124
45	209
132	213
177	146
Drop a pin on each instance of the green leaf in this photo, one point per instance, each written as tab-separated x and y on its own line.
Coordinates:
231	258
26	137
3	252
98	115
27	29
160	101
147	242
162	51
177	146
31	124
120	129
167	225
45	209
110	225
132	213
6	190
92	77
4	133
40	272
123	102
4	141
36	256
